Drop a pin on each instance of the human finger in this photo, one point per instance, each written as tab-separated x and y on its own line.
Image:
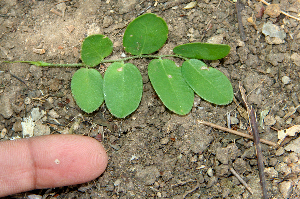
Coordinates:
49	161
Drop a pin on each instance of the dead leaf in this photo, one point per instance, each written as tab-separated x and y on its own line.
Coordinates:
292	131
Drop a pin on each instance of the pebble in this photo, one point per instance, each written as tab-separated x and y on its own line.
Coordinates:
295	57
273	10
271	172
33	196
52	113
5	106
3	133
17	126
36	114
285	188
107	21
285	79
41	129
272	30
234	120
164	141
117	182
279	151
148	174
27	100
269	120
283	168
222	170
210	172
293	146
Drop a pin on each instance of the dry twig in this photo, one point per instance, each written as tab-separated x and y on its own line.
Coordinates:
191	191
238	7
241	180
256	139
236	132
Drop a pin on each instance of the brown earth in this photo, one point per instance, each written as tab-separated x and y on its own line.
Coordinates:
154	153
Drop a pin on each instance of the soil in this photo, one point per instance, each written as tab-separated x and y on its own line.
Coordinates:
154	153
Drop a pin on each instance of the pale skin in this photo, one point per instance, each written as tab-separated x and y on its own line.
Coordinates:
49	161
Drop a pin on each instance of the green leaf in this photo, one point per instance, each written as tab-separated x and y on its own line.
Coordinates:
87	89
170	86
145	34
122	88
202	51
95	48
209	83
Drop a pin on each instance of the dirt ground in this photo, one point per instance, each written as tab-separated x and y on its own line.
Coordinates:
154	153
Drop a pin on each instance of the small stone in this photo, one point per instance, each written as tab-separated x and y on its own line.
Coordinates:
273	162
3	133
283	168
273	10
117	182
27	100
33	196
213	180
296	59
110	187
241	166
285	79
285	188
294	157
234	120
270	29
70	28
218	39
107	21
41	129
148	174
54	84
271	172
269	120
280	151
293	146
5	106
158	195
36	114
167	175
222	170
164	141
194	158
17	126
52	113
210	172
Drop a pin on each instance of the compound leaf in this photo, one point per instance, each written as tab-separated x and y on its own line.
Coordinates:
170	86
145	34
95	48
87	89
122	88
209	83
202	51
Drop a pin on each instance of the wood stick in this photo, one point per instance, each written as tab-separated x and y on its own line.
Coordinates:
260	162
239	18
257	145
241	180
236	132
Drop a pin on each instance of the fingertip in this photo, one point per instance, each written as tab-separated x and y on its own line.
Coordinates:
49	161
68	160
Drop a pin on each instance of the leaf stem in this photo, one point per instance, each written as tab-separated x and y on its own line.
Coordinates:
76	65
143	56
